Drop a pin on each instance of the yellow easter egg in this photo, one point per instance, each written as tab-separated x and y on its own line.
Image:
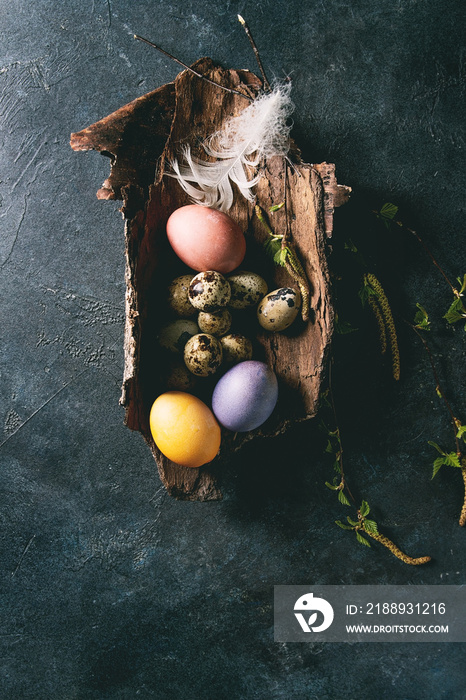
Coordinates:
184	429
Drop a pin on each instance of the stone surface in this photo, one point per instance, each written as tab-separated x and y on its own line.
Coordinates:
110	588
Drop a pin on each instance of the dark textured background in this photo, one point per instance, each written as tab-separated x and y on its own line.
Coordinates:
110	589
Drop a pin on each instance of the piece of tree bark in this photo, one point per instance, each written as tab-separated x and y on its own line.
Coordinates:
141	139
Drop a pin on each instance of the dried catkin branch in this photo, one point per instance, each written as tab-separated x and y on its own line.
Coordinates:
462	520
296	271
380	323
373	283
396	550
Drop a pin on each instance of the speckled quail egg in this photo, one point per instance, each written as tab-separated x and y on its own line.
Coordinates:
247	288
279	309
236	348
174	335
177	377
203	354
209	291
178	299
214	322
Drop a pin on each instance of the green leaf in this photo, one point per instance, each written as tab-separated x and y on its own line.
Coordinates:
329	447
362	539
280	257
388	211
452	460
364	509
461	434
439	462
371	526
421	318
343	525
343	327
276	207
434	444
331	486
273	248
438	392
456	312
365	292
322	427
352	522
284	255
342	498
462	283
272	245
350	246
323	398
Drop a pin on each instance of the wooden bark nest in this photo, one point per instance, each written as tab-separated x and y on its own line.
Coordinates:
141	138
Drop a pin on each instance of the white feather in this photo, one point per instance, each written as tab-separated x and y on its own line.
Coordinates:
260	131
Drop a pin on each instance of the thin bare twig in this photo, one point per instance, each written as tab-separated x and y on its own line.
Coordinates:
337	427
24	552
426	249
438	385
429	253
266	83
195	72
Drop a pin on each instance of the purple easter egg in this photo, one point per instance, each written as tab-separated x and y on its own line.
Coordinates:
245	396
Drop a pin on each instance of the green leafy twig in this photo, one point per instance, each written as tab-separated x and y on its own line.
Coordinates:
449	459
438	387
457	309
387	215
282	252
456	423
339	484
454	458
335	447
370	528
